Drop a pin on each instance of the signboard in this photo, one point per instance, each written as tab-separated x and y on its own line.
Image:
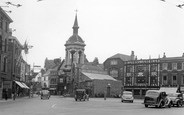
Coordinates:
7	84
181	88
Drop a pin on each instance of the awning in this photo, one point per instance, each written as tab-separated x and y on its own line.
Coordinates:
25	85
20	84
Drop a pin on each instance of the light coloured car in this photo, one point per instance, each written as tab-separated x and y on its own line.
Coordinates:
127	96
45	94
176	99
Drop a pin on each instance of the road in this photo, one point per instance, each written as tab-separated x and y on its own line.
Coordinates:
57	105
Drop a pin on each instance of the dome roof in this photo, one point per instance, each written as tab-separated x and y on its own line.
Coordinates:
75	39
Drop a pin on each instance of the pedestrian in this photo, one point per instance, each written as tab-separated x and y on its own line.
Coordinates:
104	95
6	94
14	95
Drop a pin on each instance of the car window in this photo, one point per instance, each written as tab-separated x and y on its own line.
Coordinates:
127	93
152	93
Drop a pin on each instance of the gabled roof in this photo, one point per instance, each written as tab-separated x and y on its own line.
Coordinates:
121	56
47	72
91	67
95	76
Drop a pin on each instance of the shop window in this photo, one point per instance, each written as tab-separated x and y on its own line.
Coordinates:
136	92
183	66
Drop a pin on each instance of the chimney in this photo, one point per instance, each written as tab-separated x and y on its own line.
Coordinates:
164	56
132	55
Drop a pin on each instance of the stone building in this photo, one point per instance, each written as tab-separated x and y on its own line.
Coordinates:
5	20
71	71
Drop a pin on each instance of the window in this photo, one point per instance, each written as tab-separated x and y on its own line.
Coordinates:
174	82
1	23
141	68
3	69
1	40
174	78
165	66
174	66
165	78
114	62
183	66
114	73
154	67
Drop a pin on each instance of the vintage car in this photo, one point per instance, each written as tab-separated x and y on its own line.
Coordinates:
80	94
176	99
156	98
127	96
45	94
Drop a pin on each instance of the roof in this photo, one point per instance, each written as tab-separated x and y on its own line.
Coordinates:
172	58
94	76
47	72
92	67
75	39
121	56
49	64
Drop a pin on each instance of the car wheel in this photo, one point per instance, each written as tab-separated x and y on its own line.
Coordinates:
169	105
132	101
178	104
146	105
75	99
121	100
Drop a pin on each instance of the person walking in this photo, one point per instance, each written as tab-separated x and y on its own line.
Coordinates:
14	95
6	94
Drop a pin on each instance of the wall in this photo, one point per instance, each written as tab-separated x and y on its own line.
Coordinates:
101	85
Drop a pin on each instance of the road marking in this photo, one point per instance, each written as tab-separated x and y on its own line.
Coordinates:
53	105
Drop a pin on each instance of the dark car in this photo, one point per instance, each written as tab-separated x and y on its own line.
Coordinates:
176	99
156	98
80	94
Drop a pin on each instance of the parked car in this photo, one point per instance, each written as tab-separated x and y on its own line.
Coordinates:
45	94
80	94
127	96
156	98
176	99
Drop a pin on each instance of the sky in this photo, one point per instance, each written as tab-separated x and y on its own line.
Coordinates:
147	27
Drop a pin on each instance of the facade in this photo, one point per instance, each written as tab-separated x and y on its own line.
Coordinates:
115	65
5	20
142	75
172	71
53	79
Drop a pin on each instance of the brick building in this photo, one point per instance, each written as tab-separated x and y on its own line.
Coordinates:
115	65
144	74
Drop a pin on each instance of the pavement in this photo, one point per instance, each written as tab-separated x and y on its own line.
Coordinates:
8	100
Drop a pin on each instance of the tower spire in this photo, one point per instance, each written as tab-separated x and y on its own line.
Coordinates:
75	26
